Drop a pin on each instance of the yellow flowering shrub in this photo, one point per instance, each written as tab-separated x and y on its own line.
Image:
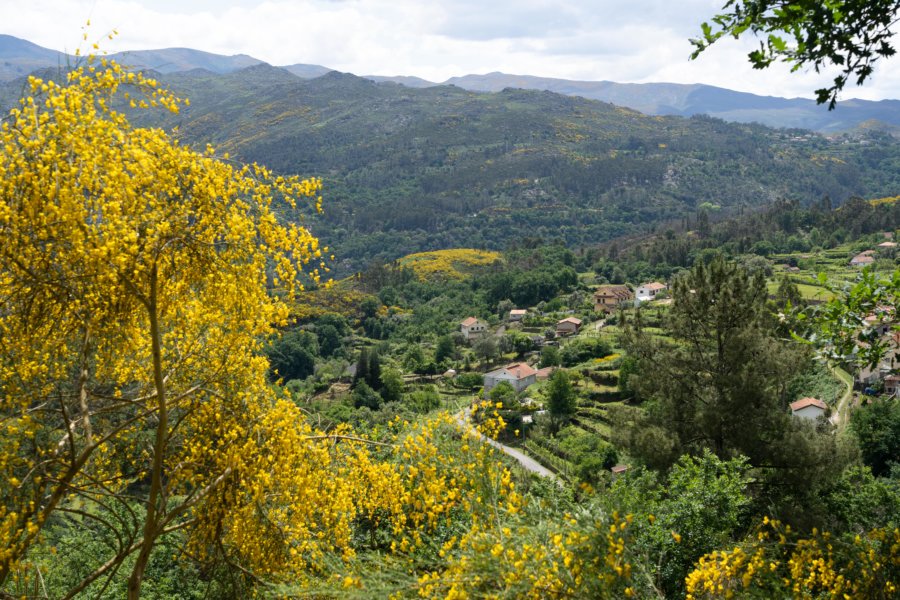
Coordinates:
780	565
583	556
454	263
134	292
338	297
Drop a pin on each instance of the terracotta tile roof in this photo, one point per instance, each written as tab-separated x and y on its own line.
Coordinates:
654	286
545	372
804	402
518	311
469	322
520	370
572	320
612	291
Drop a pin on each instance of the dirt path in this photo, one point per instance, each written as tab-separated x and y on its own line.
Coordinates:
842	410
523	459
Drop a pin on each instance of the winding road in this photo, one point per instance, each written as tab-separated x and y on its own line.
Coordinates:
528	463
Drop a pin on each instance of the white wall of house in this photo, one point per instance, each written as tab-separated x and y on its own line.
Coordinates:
809	412
473	331
492	379
566	328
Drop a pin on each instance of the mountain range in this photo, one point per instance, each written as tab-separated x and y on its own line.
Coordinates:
19	57
409	169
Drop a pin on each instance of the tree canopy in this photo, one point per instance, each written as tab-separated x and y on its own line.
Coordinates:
850	34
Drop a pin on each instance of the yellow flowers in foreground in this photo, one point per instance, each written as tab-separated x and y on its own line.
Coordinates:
135	278
819	566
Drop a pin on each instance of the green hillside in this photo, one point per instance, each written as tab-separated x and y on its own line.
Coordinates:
409	170
418	169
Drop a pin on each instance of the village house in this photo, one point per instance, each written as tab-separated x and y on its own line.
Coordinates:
517	314
649	291
473	328
518	375
862	259
887	245
568	326
608	298
892	385
808	408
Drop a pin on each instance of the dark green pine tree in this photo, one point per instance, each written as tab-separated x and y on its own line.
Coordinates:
721	381
373	372
362	367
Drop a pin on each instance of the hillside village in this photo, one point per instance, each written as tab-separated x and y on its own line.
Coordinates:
510	357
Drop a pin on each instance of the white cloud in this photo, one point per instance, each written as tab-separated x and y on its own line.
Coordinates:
637	40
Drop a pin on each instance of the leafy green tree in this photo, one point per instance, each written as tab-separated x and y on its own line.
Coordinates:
423	400
584	349
841	330
518	342
486	348
850	34
330	341
368	308
364	396
391	385
560	397
293	355
627	370
877	429
591	456
414	359
550	357
788	294
444	350
504	393
705	504
503	308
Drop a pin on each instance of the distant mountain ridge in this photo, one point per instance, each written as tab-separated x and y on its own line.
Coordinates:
19	57
689	99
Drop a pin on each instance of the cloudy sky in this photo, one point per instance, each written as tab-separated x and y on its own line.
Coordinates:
616	40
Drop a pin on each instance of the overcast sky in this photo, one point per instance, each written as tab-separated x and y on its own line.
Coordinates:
615	40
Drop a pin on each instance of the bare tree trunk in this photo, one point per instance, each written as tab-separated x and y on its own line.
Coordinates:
82	387
154	512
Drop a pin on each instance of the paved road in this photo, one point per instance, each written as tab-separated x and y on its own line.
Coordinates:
523	459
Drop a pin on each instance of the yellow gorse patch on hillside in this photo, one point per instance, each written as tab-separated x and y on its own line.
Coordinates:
886	200
448	264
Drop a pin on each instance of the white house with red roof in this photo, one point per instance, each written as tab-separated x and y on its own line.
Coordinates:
518	375
648	291
517	314
862	259
472	328
808	408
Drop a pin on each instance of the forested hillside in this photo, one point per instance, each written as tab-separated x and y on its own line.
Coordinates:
408	170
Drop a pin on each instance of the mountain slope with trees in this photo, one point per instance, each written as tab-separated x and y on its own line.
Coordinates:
408	170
